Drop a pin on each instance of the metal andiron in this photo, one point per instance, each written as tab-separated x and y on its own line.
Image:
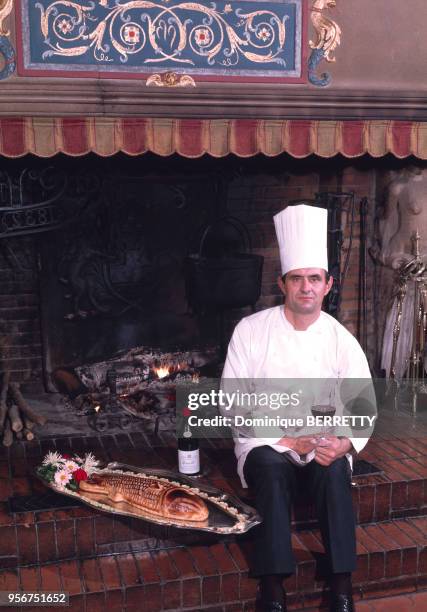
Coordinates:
413	272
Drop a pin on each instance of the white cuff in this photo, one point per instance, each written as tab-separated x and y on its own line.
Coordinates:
359	443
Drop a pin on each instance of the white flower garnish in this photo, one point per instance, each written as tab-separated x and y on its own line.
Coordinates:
70	465
90	463
53	458
62	478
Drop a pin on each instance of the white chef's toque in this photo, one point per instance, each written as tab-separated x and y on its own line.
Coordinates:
302	236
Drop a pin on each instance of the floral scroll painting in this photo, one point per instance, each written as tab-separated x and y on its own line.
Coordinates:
249	40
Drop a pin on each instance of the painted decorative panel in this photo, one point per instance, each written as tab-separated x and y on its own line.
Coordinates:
246	40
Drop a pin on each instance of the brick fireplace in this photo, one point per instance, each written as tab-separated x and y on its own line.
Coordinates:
125	169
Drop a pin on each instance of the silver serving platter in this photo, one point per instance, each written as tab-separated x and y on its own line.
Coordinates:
227	514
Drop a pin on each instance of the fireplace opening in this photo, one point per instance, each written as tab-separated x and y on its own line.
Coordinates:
96	256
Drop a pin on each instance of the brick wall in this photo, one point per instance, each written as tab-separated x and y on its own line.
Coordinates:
20	342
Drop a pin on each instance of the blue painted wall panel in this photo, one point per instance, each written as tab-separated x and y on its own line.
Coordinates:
244	38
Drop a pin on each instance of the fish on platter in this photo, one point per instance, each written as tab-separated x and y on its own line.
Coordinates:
163	499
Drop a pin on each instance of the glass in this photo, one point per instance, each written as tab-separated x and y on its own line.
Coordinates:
327	409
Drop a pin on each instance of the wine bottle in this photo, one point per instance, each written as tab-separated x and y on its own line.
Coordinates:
188	453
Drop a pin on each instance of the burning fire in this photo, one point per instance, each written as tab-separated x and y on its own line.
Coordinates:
162	372
165	369
97	408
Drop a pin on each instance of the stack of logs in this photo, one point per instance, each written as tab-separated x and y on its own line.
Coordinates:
16	417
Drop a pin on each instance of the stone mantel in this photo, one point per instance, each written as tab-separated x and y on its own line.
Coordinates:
78	97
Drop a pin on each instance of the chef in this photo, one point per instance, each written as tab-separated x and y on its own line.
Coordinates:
298	340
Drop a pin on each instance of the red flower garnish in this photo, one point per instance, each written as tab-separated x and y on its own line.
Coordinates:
66	456
79	475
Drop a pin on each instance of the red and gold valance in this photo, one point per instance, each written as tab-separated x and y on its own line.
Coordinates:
45	137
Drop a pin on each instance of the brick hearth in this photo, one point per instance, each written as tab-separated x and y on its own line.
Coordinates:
119	562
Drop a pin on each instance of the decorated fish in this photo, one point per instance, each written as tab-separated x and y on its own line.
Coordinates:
162	499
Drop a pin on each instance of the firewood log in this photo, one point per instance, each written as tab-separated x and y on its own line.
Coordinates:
7	434
67	382
3	398
15	418
24	407
28	435
19	435
29	424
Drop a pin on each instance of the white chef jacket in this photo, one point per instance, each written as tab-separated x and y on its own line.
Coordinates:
266	345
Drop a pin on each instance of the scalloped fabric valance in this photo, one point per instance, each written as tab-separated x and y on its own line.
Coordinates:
45	137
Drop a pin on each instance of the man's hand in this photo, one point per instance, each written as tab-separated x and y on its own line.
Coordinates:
301	445
331	448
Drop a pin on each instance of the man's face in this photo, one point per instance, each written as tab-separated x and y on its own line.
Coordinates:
304	290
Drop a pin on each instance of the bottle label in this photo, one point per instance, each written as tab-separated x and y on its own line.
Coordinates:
189	461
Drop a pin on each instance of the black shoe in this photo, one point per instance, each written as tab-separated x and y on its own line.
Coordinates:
271	598
269	605
272	606
341	603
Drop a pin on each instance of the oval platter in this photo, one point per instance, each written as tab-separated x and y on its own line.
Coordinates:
227	514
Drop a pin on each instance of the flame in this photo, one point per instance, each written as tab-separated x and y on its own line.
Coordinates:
182	365
162	371
97	408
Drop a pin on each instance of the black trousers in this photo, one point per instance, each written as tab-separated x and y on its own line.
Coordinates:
274	479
